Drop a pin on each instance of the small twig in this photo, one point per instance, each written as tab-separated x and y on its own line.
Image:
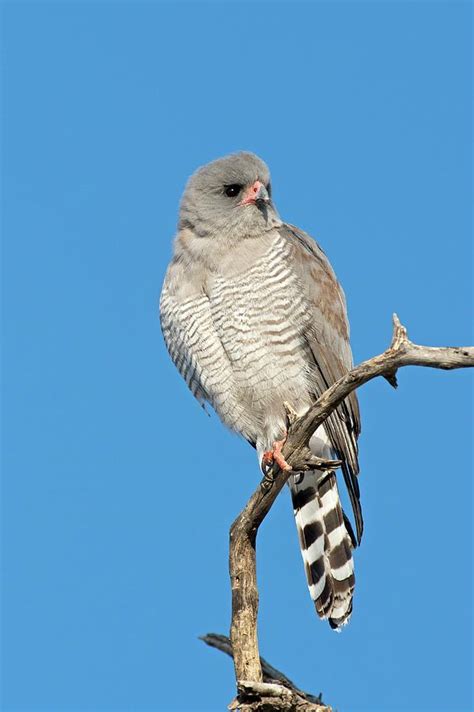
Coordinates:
243	532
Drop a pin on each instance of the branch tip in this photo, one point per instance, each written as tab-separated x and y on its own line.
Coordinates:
291	414
399	337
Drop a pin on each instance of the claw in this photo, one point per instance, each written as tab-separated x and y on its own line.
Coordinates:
321	463
304	460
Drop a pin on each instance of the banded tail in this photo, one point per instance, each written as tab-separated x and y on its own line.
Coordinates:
326	545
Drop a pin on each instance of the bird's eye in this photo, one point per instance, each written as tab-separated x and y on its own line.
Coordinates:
232	190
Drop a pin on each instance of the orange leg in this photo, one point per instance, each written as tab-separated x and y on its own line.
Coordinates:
275	455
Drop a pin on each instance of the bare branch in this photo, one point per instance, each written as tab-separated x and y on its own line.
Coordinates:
271	676
243	532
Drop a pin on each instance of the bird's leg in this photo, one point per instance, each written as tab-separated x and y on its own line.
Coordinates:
275	455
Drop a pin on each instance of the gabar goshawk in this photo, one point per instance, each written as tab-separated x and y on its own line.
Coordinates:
254	319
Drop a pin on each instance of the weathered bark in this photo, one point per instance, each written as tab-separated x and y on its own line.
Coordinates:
243	532
243	578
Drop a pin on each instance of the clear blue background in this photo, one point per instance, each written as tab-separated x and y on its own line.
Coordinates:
118	491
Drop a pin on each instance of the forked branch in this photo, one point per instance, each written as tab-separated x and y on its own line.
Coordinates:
253	694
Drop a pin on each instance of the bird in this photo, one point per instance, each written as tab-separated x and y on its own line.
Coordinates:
255	321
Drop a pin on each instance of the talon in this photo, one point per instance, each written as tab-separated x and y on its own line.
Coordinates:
267	459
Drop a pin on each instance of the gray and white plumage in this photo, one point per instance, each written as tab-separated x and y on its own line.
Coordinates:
254	317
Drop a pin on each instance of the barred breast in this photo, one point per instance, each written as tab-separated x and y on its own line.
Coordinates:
260	318
238	340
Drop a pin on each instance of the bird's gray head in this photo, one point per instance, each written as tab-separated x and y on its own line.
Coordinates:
229	197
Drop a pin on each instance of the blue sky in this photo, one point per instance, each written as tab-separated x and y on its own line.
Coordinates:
118	491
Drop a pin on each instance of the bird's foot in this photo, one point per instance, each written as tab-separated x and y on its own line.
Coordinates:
275	456
304	459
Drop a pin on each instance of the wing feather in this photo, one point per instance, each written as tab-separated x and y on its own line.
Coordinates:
328	341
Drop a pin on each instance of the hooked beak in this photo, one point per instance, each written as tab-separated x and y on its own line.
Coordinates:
257	193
